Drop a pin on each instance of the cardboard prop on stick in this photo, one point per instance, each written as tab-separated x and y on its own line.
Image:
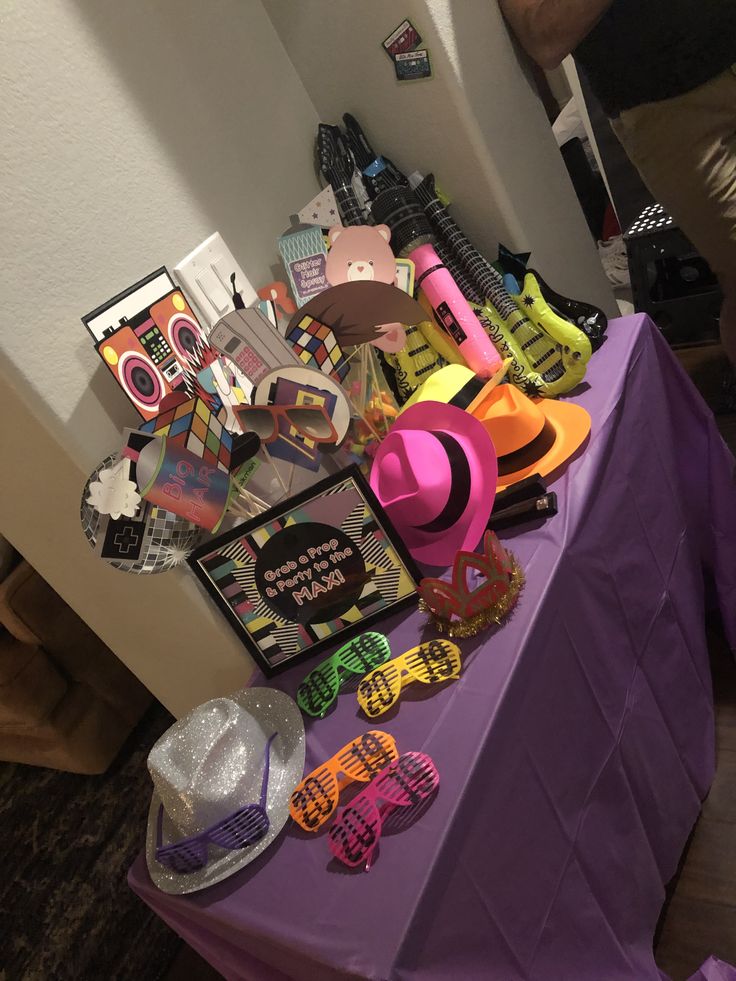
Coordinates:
252	343
146	336
355	311
172	477
317	389
362	304
276	294
152	540
362	254
295	430
295	436
192	424
304	255
316	346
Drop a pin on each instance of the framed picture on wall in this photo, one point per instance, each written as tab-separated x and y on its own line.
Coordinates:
308	573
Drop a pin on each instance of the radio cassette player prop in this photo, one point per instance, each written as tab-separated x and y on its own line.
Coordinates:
146	336
151	341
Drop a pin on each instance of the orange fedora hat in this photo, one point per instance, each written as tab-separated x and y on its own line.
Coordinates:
529	435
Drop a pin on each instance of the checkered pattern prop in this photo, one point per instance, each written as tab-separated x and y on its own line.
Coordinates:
316	346
192	424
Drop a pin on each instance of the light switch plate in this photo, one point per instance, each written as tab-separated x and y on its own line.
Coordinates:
205	276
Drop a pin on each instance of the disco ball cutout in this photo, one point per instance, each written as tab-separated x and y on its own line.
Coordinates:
153	541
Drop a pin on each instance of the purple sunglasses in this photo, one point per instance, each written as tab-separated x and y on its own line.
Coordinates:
243	827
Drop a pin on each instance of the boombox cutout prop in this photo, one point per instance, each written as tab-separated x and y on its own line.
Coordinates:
146	336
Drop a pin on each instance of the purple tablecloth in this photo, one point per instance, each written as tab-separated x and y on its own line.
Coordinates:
574	751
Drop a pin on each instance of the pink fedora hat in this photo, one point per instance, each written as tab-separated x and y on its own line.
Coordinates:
435	476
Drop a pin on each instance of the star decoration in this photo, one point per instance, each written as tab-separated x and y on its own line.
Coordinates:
528	301
176	554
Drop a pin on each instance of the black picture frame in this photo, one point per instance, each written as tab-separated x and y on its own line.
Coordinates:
213	564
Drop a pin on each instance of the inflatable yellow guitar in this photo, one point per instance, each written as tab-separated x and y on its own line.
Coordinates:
549	354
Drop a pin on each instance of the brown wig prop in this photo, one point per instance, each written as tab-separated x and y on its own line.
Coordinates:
353	311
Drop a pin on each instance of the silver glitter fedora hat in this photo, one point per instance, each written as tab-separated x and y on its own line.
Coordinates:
223	776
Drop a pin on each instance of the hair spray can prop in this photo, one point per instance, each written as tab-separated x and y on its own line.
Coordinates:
304	254
412	237
176	479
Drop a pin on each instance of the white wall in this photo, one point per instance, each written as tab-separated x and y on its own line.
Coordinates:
570	70
130	132
559	85
478	123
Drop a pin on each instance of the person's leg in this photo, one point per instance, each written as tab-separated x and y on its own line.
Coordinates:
685	151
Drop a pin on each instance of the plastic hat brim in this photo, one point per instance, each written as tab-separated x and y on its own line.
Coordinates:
277	712
571	424
440	548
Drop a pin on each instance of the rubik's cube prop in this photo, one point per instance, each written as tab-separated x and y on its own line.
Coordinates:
193	425
316	346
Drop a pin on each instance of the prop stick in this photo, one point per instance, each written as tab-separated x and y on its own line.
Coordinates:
270	461
248	512
378	394
254	508
363	373
242	502
361	383
498	377
247	505
292	467
364	417
253	498
239	510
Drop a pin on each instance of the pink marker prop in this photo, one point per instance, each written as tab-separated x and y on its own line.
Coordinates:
413	238
405	782
453	313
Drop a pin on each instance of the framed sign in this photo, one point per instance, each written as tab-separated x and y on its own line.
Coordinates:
310	572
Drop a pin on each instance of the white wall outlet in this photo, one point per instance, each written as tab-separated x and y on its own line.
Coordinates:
206	274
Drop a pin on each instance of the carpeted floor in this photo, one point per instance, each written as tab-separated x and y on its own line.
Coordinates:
66	912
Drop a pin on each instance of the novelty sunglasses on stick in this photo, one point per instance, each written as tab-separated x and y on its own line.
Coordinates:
316	797
310	421
429	663
321	686
407	781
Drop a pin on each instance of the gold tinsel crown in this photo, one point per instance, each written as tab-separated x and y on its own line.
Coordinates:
460	611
